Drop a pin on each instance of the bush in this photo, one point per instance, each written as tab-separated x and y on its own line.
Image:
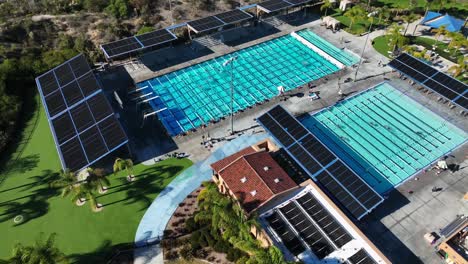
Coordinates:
191	225
234	254
222	246
187	253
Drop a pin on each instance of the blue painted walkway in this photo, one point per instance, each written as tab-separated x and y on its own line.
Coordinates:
154	221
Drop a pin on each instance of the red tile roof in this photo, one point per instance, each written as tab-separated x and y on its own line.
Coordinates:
220	164
262	175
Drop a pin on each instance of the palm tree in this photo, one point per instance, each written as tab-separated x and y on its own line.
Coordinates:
325	6
42	252
355	13
395	38
66	181
411	17
383	13
440	32
460	68
458	41
98	176
124	164
85	192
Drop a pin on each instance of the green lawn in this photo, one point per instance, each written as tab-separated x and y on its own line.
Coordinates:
81	232
380	44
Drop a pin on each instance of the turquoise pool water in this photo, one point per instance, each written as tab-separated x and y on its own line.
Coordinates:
384	136
342	56
198	94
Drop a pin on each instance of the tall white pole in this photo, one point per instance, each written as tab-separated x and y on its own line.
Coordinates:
365	44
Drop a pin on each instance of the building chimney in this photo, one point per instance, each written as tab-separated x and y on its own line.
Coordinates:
253	193
277	180
244	179
266	168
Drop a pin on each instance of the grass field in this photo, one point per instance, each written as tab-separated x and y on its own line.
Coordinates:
380	44
84	235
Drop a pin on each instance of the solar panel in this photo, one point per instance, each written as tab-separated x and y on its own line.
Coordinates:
100	107
81	118
289	239
205	24
79	66
112	132
88	84
306	230
55	103
320	163
276	130
361	257
462	101
300	2
431	78
72	93
93	143
48	83
325	220
233	16
64	74
273	5
63	127
73	154
155	37
121	47
341	195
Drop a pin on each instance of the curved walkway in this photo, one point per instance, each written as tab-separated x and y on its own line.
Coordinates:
154	221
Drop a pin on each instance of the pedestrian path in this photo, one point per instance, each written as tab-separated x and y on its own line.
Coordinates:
155	219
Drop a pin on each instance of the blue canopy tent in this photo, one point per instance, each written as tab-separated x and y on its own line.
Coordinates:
436	20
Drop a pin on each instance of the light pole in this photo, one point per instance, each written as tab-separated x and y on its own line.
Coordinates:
370	15
225	64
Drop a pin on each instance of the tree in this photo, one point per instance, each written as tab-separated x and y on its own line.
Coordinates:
66	181
355	13
98	177
124	164
457	41
325	6
118	8
383	13
42	252
460	68
409	18
85	192
440	32
395	38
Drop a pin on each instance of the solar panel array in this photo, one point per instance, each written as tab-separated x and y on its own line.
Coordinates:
320	163
136	43
219	20
277	5
334	230
439	82
361	257
305	220
82	121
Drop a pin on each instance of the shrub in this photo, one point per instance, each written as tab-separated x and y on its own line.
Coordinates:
221	246
187	253
234	254
191	225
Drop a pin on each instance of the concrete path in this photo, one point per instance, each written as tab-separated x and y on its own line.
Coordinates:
154	221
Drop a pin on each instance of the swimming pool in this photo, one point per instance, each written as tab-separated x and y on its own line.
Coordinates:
342	56
199	94
384	136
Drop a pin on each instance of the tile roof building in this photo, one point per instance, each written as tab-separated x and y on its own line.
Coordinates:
252	176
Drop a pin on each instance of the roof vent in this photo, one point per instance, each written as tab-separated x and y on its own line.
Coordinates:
266	168
253	193
277	180
244	179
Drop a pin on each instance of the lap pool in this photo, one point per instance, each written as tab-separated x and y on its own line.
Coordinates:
384	136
